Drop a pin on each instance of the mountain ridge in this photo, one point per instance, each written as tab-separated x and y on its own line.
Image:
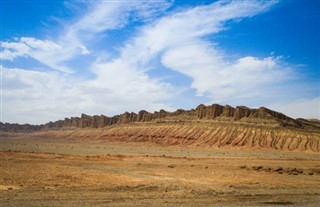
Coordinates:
201	112
205	126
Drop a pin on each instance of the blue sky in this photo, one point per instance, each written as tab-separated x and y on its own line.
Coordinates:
64	58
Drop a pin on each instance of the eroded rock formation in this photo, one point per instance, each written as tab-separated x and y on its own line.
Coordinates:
214	125
202	112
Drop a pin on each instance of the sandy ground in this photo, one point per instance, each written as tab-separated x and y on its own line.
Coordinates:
66	173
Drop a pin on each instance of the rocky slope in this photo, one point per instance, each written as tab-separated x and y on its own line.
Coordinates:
211	126
202	112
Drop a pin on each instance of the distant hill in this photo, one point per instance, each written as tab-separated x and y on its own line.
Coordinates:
214	125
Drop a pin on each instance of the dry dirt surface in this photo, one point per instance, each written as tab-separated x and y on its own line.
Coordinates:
48	172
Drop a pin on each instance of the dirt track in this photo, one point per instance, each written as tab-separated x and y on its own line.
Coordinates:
44	173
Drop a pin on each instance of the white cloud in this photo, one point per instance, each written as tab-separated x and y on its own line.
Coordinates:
221	79
38	97
304	108
85	51
102	16
47	52
177	40
12	50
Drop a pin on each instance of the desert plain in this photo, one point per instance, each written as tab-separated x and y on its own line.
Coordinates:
68	173
211	156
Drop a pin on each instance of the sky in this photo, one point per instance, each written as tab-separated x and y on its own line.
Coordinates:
63	58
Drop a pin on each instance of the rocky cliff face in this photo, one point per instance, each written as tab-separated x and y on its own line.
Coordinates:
204	126
213	112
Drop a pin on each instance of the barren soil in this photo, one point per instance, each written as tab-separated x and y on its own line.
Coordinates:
81	173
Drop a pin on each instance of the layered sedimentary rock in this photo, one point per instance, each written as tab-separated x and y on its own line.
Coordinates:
199	134
202	112
204	126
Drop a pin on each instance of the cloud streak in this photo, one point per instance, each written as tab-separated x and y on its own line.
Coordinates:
178	40
100	17
175	41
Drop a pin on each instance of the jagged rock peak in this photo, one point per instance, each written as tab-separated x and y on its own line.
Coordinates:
201	112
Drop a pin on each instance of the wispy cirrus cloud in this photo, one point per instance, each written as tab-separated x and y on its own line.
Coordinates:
44	51
175	41
179	41
72	43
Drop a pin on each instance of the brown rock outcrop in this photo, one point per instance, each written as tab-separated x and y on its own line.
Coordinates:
239	114
214	125
144	116
242	111
209	112
228	111
86	121
127	118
